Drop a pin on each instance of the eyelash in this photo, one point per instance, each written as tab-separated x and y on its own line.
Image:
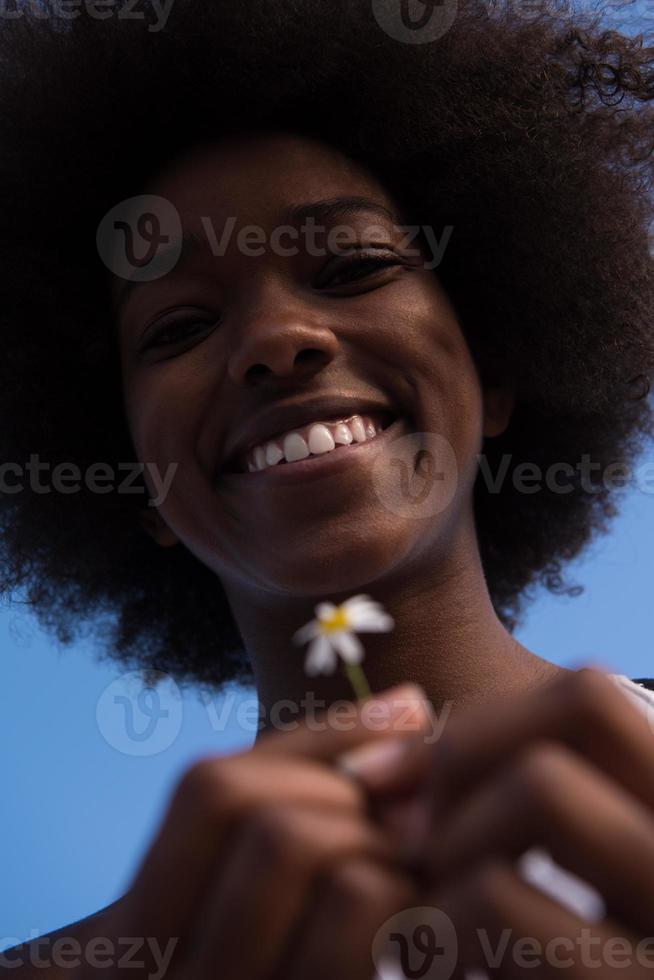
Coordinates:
362	259
155	337
357	259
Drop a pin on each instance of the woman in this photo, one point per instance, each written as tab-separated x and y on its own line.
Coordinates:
339	278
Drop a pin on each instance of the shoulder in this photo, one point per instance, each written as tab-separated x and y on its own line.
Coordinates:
647	682
54	953
641	689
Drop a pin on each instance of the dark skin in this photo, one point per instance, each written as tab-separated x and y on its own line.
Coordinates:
288	332
498	781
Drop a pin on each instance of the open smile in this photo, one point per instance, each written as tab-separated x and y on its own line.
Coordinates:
325	462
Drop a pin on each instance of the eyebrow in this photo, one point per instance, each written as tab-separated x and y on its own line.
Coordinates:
192	242
334	208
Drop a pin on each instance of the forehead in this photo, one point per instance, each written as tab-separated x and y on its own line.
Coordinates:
262	175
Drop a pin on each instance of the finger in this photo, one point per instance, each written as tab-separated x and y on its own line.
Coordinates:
585	709
407	821
349	906
508	929
262	888
552	797
400	711
214	795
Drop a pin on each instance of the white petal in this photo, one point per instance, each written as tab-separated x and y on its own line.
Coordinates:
363	612
358	600
325	610
349	647
306	632
321	657
363	607
367	610
373	622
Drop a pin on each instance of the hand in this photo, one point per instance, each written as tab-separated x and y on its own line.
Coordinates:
267	865
570	768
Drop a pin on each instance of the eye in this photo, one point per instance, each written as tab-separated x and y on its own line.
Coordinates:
357	266
175	330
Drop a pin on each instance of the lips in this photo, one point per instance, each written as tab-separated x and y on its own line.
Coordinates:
281	419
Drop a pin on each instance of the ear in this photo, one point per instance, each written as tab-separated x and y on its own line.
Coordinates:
153	524
499	402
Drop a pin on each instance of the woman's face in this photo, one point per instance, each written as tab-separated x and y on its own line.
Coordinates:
260	332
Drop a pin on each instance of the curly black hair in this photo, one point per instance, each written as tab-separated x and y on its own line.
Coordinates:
530	135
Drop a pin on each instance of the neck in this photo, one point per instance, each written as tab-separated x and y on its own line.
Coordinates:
447	638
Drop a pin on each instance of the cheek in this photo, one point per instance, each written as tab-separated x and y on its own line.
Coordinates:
437	359
163	408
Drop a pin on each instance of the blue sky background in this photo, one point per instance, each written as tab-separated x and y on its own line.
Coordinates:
78	806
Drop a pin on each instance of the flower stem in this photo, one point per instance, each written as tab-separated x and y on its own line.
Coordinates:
358	680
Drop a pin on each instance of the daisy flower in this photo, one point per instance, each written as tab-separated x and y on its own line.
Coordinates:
331	635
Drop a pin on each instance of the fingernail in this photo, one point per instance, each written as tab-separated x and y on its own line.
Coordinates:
403	708
372	761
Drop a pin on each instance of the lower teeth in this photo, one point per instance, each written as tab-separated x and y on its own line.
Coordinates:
282	462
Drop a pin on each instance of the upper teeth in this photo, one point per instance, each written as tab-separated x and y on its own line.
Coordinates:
312	440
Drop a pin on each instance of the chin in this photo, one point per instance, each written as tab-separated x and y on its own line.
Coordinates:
343	564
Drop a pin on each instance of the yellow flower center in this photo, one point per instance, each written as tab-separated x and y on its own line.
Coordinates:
337	621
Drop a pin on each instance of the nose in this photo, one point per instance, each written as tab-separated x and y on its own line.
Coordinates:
287	343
